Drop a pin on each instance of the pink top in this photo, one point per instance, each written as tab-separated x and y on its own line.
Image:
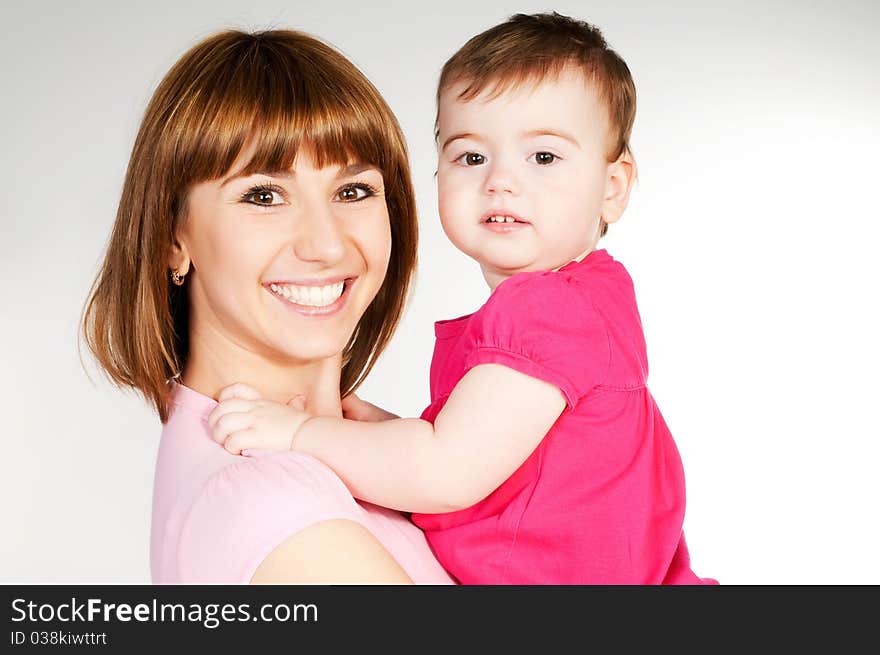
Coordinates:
602	498
217	516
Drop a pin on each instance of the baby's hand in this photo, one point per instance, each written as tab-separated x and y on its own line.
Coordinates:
243	419
355	409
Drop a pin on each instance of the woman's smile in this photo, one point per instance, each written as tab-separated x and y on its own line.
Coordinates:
321	298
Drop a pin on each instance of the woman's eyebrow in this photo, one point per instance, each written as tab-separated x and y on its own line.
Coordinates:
240	174
355	168
348	171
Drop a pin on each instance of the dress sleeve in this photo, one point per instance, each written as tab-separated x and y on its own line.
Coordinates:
543	325
247	509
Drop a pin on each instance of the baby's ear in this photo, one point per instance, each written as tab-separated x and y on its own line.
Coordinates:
618	184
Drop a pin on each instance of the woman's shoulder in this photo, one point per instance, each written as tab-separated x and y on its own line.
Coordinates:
245	509
297	478
216	516
192	464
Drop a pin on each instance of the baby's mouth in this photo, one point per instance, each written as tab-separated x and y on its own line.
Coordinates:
503	218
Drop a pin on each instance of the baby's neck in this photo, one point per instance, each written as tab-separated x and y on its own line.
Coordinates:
495	277
579	258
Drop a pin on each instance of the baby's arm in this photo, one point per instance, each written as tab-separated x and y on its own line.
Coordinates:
493	420
243	419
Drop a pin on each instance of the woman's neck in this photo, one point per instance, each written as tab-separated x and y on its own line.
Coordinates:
212	367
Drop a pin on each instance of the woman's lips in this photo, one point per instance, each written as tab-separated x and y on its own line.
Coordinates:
320	311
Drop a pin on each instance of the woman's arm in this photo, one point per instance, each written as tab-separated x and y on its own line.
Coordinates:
493	420
331	552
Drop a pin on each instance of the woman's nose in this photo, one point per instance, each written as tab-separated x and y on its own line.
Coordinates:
318	237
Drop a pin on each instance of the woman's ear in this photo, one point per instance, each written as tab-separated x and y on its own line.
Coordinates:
178	258
618	184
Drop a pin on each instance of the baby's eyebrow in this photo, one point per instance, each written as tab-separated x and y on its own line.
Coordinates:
551	132
456	137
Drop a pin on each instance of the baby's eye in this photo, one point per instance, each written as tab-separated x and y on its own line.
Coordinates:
263	196
543	158
355	192
471	159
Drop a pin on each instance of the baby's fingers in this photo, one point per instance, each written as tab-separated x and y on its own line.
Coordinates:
229	406
238	390
240	440
228	424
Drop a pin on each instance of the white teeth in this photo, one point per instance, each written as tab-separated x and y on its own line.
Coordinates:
312	296
501	219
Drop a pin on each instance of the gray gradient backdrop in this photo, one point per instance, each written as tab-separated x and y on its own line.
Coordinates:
751	237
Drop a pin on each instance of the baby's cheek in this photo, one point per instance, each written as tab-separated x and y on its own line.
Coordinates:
447	204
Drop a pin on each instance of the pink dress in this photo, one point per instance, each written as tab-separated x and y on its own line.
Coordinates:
217	516
602	498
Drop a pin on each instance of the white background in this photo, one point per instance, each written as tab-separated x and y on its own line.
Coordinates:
751	238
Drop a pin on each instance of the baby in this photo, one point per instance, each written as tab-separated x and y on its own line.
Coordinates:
543	458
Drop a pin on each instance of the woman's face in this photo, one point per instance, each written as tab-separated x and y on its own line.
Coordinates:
283	264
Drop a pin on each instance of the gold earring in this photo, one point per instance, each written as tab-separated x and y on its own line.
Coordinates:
176	277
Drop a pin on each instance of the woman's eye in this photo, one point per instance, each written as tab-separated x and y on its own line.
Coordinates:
264	197
354	192
544	158
472	159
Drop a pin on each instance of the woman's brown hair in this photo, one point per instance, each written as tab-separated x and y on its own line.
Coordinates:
276	91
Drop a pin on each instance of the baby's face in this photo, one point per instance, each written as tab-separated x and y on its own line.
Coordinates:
523	178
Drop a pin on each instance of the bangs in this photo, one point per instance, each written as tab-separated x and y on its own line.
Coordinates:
268	97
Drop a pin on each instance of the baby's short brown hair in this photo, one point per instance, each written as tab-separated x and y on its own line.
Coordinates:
530	48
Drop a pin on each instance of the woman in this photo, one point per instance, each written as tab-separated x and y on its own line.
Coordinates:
266	234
